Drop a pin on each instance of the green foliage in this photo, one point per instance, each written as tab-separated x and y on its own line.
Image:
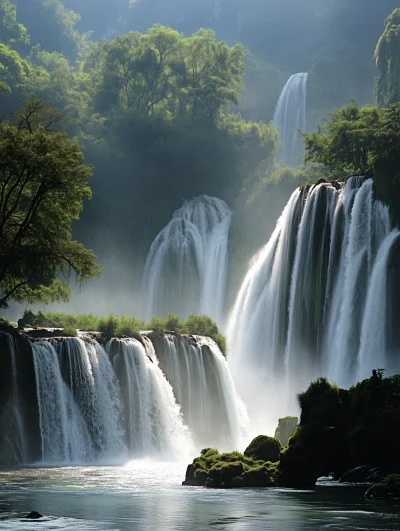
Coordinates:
163	72
387	56
70	331
60	320
361	141
264	448
43	182
10	30
108	325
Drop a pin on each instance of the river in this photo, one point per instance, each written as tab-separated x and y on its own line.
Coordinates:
147	495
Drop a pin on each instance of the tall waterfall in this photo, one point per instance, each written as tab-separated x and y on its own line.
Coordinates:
186	267
290	116
315	299
203	386
153	419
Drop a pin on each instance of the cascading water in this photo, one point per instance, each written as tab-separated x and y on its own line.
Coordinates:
79	422
199	375
314	301
82	403
154	423
186	267
290	116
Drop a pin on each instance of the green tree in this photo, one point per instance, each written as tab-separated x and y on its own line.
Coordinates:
387	56
361	141
10	30
43	182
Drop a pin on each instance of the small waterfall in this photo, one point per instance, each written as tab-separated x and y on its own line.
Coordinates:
186	267
154	423
200	378
290	116
314	301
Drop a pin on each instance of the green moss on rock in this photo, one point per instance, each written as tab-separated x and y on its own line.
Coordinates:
264	448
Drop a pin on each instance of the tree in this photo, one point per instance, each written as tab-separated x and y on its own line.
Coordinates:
43	182
361	141
387	56
10	30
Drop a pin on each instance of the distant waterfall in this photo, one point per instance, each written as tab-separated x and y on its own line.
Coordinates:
315	299
153	420
199	375
186	267
290	116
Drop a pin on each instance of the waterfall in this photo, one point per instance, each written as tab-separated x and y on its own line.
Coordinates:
72	401
203	386
314	301
154	423
186	268
79	422
290	116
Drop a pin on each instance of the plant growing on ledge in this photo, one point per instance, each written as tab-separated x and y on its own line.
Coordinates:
43	182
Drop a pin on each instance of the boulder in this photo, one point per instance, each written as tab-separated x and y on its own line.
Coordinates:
34	515
363	474
264	448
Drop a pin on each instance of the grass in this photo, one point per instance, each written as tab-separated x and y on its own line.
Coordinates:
121	326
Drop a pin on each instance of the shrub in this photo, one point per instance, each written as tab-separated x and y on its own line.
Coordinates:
108	325
70	331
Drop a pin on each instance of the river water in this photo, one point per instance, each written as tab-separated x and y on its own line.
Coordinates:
147	495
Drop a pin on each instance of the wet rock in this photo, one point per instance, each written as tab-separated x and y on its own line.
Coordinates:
34	515
363	474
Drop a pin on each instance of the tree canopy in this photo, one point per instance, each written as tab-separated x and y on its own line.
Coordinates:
43	182
361	141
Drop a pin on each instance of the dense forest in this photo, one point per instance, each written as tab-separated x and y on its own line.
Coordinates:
173	99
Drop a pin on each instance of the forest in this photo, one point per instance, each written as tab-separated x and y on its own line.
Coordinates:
170	100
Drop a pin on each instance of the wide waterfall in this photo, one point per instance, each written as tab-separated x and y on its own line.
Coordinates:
290	117
186	267
316	299
84	400
199	375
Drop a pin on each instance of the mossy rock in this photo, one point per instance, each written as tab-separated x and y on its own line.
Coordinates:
264	448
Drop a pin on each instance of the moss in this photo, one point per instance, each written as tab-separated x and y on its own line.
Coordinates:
228	470
264	448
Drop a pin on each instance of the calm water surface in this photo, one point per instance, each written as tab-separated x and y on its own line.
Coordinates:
144	495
